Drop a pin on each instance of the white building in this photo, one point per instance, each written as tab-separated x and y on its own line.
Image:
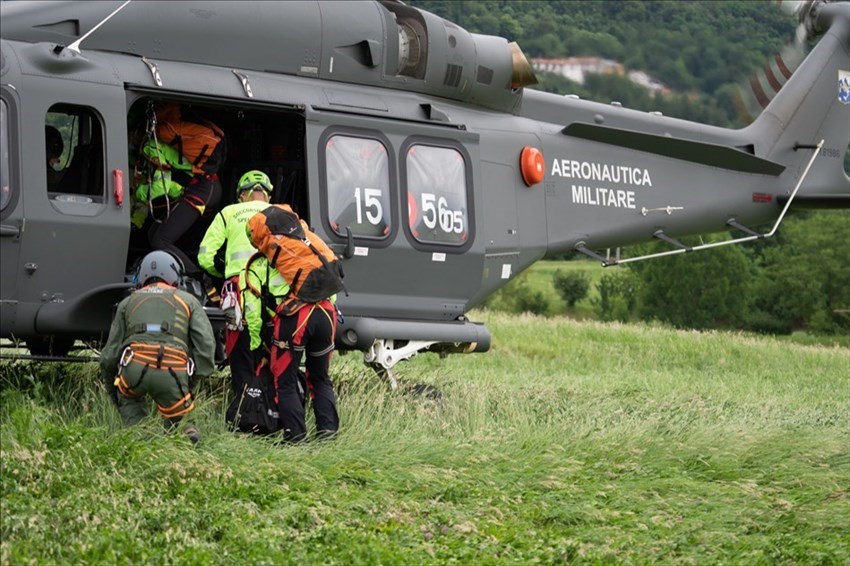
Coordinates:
577	68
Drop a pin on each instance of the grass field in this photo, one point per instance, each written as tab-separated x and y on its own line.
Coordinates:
568	442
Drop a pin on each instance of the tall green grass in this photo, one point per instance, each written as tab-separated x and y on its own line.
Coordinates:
569	441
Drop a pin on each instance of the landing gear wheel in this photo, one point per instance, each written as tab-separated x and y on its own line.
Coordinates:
53	346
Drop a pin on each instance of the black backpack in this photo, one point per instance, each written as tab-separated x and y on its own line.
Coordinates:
254	410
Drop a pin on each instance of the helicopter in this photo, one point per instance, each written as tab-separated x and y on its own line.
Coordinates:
415	148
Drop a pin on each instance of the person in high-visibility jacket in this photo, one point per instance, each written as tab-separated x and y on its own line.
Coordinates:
159	344
223	253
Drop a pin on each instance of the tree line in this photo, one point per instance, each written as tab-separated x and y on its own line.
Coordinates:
702	50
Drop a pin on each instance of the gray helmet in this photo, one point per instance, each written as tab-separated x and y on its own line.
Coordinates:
160	264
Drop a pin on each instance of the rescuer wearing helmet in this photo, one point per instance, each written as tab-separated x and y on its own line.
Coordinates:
224	253
160	343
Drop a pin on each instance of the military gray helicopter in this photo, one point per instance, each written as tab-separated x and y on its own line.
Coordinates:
412	146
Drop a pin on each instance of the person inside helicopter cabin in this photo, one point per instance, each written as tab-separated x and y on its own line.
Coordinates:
160	343
202	145
54	149
224	253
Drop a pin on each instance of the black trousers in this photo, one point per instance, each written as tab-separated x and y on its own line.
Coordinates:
199	197
242	362
311	330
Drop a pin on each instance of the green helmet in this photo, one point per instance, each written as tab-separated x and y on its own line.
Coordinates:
252	179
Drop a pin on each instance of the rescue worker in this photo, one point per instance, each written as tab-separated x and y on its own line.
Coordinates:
298	326
160	343
261	288
201	195
224	252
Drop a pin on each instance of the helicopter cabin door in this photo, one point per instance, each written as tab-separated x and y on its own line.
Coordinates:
74	234
11	203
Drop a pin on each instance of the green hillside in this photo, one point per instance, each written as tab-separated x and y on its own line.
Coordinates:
702	50
698	45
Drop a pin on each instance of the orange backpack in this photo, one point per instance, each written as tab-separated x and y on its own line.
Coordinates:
306	262
200	141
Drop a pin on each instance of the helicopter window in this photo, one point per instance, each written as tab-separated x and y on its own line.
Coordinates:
358	186
74	154
5	183
437	200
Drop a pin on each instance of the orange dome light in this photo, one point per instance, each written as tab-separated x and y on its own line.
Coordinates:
532	165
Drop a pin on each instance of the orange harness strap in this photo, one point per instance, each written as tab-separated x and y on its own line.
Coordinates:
159	356
125	388
179	408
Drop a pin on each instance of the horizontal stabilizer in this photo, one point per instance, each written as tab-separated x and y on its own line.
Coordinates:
713	155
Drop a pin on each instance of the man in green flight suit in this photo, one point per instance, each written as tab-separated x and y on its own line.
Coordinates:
160	343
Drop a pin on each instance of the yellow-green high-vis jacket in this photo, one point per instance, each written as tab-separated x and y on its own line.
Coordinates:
226	248
265	279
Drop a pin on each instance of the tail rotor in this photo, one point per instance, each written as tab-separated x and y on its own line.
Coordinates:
757	92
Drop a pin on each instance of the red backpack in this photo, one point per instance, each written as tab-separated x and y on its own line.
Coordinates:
306	262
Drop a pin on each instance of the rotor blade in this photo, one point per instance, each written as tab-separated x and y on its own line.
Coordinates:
755	93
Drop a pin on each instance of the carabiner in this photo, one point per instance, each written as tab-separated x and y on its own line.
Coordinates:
126	357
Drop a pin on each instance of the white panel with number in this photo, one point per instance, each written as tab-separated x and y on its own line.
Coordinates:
358	184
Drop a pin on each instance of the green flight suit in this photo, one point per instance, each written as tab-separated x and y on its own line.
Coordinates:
167	332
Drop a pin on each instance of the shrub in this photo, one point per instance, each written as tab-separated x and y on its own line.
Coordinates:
518	297
527	299
707	289
572	286
617	296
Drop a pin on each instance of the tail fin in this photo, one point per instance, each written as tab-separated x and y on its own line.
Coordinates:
814	105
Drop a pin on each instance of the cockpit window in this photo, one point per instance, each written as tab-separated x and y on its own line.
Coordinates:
73	139
358	186
437	192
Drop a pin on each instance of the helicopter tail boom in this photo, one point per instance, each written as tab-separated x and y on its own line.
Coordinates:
813	105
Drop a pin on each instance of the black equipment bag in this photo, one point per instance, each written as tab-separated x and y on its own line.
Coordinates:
254	410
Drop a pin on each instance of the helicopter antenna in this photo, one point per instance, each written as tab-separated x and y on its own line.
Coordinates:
76	45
